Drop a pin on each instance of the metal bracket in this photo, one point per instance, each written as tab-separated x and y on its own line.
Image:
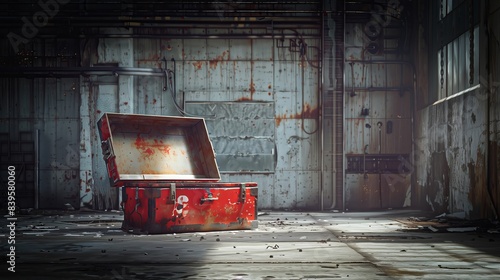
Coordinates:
173	195
243	192
137	201
107	149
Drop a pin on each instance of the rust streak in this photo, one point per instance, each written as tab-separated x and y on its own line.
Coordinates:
197	65
307	113
142	145
213	62
149	152
252	88
164	149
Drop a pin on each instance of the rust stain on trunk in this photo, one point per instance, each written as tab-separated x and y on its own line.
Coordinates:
142	145
149	148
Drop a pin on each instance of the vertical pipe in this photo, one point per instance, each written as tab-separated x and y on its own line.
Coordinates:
37	166
379	124
332	29
320	107
343	113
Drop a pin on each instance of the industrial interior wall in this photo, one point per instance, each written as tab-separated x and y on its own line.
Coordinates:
457	137
494	107
259	98
378	118
40	127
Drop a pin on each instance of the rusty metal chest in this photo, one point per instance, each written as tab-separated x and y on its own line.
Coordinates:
169	177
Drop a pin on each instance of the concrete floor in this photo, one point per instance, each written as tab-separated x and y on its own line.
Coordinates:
287	245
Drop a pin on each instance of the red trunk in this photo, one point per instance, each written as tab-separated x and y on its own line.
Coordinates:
167	168
194	207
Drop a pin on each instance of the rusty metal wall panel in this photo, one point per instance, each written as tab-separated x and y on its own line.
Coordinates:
377	118
375	191
226	71
195	49
362	193
396	190
399	104
146	50
308	190
294	190
17	147
239	49
261	82
194	77
242	134
217	50
294	147
246	70
286	75
377	106
262	50
219	78
150	98
57	118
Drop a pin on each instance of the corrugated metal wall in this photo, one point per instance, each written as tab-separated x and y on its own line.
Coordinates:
258	95
258	71
259	111
49	108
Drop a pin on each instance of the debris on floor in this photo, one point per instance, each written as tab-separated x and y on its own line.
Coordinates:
454	223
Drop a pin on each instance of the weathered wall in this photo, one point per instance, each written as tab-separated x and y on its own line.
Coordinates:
451	145
378	117
260	102
49	106
243	64
457	138
493	58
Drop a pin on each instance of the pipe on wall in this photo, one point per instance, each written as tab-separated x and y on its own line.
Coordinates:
331	33
79	71
37	168
320	105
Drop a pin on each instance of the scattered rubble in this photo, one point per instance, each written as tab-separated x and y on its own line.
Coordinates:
452	223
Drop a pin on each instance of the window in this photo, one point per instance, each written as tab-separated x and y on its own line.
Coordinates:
454	65
448	6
